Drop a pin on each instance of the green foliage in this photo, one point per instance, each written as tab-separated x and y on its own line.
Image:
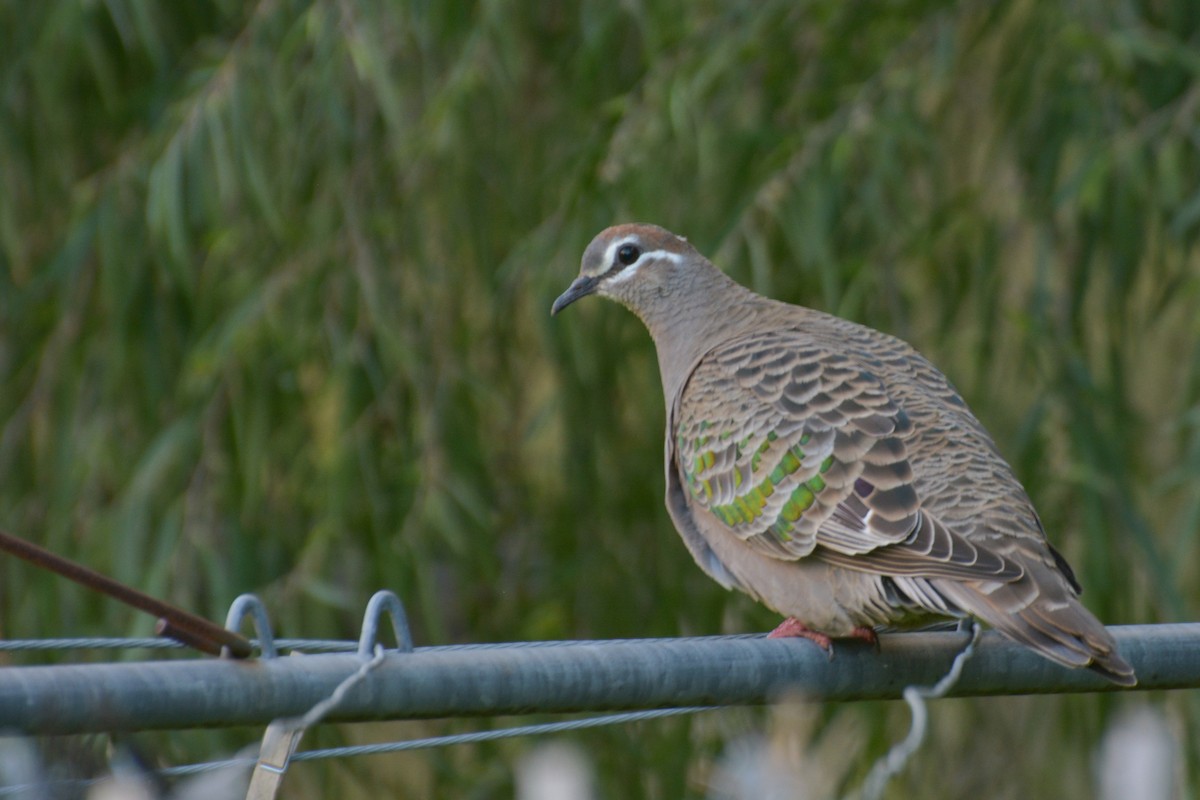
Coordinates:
275	280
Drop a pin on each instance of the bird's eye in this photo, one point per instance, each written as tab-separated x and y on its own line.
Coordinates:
628	254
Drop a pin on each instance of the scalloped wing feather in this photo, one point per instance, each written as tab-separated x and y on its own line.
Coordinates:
797	450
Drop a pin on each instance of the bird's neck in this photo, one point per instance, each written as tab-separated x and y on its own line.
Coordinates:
691	324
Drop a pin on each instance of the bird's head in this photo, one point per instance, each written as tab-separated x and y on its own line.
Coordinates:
632	264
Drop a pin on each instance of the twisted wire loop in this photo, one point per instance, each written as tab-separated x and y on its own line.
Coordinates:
897	758
384	602
248	605
283	735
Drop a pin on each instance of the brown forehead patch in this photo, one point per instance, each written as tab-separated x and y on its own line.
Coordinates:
651	236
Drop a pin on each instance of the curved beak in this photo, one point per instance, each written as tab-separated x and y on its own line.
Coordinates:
580	287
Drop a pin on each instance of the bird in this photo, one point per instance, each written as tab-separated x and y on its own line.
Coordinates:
830	471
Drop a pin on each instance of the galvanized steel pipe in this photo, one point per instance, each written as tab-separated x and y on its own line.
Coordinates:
557	677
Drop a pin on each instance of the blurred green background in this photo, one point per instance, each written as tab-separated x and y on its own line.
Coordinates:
274	293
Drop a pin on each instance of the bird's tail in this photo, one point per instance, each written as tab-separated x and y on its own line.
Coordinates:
1041	611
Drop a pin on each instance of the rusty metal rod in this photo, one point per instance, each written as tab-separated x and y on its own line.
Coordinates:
183	626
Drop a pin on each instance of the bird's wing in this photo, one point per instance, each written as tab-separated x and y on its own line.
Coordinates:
797	451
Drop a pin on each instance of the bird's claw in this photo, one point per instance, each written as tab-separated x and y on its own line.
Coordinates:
868	635
792	628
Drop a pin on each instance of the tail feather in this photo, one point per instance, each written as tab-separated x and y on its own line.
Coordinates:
1040	611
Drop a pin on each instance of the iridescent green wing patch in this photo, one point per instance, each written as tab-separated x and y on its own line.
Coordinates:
781	442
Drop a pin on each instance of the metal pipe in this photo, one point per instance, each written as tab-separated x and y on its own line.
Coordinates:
558	677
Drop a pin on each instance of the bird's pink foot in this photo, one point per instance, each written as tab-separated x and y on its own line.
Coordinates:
794	628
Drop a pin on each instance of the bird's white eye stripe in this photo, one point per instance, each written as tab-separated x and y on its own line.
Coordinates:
666	255
611	252
646	257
